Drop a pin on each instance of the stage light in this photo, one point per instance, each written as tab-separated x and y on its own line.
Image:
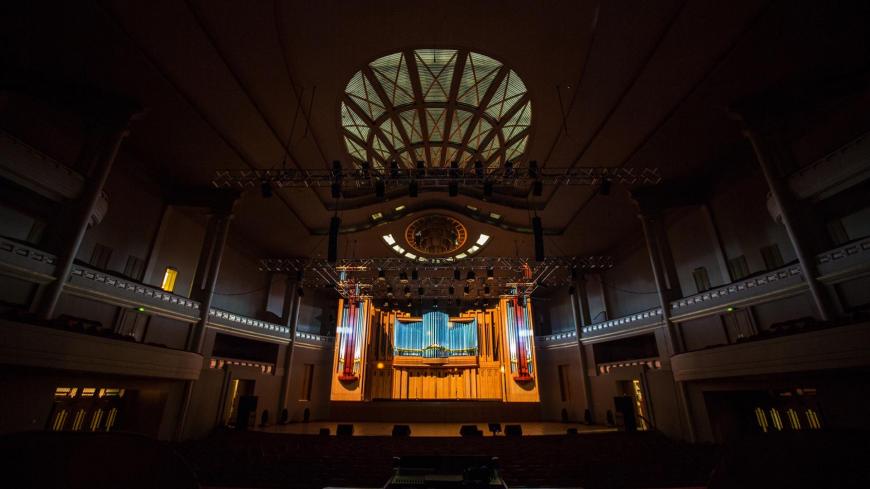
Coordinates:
389	290
478	169
456	274
420	290
407	291
140	309
380	365
487	189
421	169
534	171
470	276
380	189
604	189
490	274
266	189
394	169
410	305
414	274
413	189
435	303
508	168
386	304
454	169
465	290
451	290
537	188
381	275
403	277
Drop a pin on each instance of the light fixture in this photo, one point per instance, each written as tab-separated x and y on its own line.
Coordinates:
508	168
381	275
407	291
394	169
465	290
403	277
470	276
399	208
389	290
380	365
481	240
490	274
456	274
534	171
266	189
478	169
377	215
435	303
414	274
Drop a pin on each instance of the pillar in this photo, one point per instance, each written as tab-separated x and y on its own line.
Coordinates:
651	224
204	288
578	298
292	303
103	159
782	196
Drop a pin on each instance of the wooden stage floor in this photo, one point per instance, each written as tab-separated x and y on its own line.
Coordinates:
368	428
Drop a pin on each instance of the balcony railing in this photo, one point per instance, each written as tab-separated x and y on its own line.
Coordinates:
835	265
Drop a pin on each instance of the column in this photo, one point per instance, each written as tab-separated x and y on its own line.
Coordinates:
581	319
651	221
103	159
204	289
782	196
290	315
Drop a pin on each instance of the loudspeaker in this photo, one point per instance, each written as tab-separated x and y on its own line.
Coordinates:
538	229
334	224
401	430
247	408
324	431
513	430
344	430
470	430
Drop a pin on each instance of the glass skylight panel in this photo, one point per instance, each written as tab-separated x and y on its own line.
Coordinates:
388	83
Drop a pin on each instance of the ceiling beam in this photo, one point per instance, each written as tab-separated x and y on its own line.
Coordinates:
458	71
388	106
481	108
376	130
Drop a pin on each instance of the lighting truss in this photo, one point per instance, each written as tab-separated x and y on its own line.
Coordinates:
493	276
440	177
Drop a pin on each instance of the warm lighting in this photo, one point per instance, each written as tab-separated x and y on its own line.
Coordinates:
501	369
377	215
169	277
380	365
389	239
400	208
140	309
482	239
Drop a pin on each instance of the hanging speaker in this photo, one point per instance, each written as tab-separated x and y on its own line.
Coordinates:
539	238
334	224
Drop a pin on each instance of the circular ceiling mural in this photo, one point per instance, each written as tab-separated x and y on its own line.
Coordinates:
436	235
436	106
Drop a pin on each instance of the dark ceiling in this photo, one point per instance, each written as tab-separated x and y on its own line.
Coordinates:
612	84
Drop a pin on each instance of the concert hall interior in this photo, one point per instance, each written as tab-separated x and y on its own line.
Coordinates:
584	243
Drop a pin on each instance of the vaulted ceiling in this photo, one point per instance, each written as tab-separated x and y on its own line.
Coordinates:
266	84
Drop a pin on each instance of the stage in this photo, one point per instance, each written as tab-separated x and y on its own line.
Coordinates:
435	411
369	428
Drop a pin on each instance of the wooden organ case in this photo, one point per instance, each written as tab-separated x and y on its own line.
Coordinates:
476	354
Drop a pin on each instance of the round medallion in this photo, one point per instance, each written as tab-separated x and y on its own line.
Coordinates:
436	235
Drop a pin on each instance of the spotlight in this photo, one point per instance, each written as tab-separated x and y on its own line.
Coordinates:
420	169
386	304
469	277
453	189
394	169
413	188
380	189
403	277
478	169
435	303
487	189
604	189
486	289
389	290
381	275
465	290
534	171
414	274
508	169
364	169
410	305
454	169
420	290
266	189
456	274
336	169
537	188
490	274
451	290
407	291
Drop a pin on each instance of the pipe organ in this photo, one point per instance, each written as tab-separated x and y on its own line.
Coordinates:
485	354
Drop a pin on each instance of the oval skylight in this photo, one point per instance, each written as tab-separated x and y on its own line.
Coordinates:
436	106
